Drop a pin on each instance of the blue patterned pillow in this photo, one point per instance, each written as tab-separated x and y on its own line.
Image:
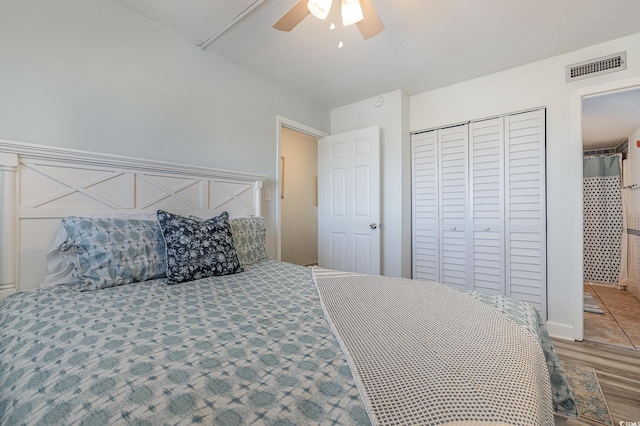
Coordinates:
198	248
113	251
249	238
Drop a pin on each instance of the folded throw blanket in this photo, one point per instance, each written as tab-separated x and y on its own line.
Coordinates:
422	353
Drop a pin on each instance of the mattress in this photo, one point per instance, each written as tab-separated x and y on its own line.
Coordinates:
248	348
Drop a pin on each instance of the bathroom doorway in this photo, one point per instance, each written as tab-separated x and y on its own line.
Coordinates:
611	214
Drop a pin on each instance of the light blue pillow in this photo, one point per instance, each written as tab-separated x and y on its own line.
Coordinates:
249	238
114	251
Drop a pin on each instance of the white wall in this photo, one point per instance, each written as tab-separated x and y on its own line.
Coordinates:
633	167
87	74
392	117
535	85
299	219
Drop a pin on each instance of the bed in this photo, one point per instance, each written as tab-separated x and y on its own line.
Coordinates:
267	343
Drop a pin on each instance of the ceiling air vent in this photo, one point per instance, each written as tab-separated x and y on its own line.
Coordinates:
593	67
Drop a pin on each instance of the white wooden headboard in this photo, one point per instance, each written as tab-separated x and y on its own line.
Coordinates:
39	185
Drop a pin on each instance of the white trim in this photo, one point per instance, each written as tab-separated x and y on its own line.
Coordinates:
298	127
95	160
560	331
8	223
575	164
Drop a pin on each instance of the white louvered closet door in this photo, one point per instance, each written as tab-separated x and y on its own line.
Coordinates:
525	208
479	214
486	141
425	211
453	156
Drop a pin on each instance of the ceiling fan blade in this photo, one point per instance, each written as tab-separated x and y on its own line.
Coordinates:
293	17
371	24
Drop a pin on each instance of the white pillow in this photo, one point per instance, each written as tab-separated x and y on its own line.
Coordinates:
61	265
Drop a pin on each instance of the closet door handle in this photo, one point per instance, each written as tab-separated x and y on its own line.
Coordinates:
486	228
453	228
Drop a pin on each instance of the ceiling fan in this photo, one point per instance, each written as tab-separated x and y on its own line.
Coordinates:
359	12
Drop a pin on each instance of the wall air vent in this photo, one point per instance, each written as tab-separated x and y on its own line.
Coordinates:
599	66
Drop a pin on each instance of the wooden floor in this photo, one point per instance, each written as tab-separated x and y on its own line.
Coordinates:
618	370
620	324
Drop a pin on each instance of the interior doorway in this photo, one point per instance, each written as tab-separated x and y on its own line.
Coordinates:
299	197
610	124
287	167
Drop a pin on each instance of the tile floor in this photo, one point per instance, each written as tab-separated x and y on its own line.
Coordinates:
620	324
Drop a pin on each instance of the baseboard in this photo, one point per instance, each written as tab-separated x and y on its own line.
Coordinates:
561	331
632	287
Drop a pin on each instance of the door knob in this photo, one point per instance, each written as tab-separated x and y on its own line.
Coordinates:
486	228
373	226
453	228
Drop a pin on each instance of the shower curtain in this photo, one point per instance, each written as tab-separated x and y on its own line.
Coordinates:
604	259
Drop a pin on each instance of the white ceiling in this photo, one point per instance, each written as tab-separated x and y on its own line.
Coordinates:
426	44
609	119
197	20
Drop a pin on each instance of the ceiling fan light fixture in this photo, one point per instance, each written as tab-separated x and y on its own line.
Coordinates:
319	8
360	12
351	12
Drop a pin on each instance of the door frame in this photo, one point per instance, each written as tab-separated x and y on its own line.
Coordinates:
301	128
576	289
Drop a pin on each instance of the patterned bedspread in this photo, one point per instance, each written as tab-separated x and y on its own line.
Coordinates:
250	348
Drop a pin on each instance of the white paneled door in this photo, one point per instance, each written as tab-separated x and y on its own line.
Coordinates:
349	201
